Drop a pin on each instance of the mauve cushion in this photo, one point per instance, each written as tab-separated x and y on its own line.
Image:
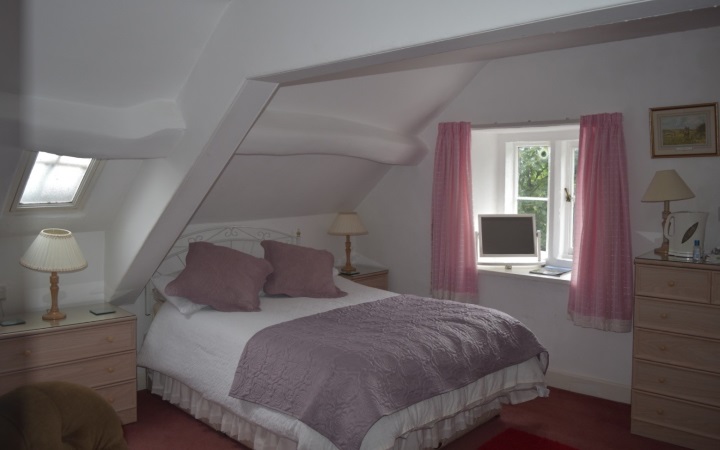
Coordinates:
300	271
184	305
220	277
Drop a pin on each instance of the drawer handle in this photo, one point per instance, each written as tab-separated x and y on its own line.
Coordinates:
110	338
671	283
663	315
110	369
663	348
27	353
660	412
661	380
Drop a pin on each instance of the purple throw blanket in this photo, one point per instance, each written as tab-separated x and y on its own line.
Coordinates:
342	370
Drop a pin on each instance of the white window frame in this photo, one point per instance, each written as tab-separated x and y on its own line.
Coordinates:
26	164
564	171
559	250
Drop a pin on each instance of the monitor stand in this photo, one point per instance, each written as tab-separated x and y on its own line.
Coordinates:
509	266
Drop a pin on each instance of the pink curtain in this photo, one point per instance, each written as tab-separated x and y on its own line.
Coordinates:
601	290
454	264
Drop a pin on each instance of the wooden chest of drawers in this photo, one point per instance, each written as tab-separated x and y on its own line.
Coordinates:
95	351
676	352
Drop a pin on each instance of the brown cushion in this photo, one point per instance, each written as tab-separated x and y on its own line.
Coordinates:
58	415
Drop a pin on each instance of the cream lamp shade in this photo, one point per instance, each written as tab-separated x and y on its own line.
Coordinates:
665	186
54	250
347	224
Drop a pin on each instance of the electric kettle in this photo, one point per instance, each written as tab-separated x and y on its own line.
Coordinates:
682	229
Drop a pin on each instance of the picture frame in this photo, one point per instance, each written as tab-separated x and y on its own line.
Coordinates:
689	130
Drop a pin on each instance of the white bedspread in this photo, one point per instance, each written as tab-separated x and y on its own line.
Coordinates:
202	352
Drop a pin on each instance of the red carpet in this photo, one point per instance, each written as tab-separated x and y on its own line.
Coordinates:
516	439
577	420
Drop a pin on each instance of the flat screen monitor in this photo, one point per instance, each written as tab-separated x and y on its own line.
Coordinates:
507	236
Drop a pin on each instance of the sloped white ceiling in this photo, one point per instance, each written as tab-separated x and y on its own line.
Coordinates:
101	78
261	187
179	83
400	98
107	78
114	53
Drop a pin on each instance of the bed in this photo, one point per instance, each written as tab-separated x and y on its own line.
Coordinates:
192	356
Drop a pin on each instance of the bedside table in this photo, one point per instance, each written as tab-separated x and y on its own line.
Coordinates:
376	277
95	351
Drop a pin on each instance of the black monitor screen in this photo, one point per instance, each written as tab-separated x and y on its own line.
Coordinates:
507	235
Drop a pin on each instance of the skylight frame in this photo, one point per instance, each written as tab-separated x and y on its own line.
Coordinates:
27	163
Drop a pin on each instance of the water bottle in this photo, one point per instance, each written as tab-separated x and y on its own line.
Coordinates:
697	254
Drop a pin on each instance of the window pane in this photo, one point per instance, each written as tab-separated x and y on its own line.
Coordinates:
576	153
539	208
533	171
54	179
571	220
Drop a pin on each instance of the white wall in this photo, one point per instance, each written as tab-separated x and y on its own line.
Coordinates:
628	77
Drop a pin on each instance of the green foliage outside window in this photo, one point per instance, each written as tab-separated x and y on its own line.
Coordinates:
533	182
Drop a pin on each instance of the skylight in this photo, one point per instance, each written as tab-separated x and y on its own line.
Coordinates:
51	180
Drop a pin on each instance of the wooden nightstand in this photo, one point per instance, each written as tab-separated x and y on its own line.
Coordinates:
376	277
94	351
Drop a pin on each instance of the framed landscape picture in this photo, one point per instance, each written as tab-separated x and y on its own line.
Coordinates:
689	130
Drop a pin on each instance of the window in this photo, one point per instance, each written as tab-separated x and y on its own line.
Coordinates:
530	171
53	181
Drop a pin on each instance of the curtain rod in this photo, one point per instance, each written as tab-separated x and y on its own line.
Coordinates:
529	123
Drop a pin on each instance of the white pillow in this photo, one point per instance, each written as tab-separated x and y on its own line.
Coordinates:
184	305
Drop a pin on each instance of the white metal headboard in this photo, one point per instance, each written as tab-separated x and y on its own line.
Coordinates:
244	239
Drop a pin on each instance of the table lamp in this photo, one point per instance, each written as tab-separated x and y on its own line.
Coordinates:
54	250
665	186
347	224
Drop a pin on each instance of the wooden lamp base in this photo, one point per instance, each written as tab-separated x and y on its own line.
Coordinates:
348	268
54	312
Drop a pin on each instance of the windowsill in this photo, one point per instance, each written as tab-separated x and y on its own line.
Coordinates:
524	272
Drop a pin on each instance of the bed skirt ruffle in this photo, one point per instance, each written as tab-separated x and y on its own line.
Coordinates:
430	436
